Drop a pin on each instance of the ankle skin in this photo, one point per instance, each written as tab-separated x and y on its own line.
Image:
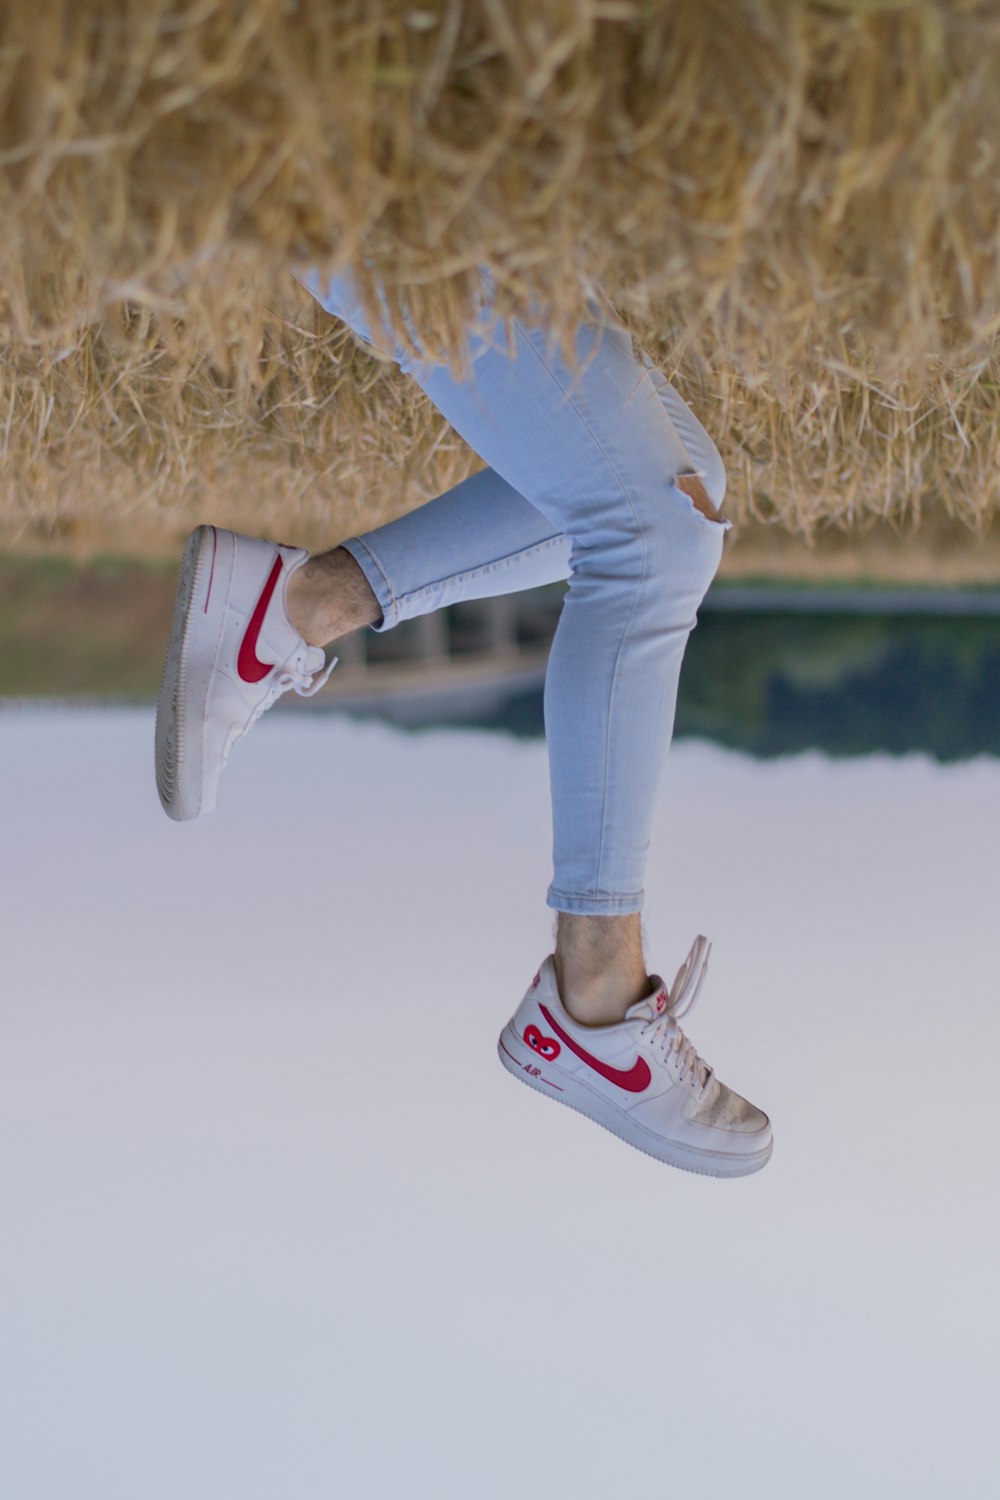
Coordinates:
599	965
329	596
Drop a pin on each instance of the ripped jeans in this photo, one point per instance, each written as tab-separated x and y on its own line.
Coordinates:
580	485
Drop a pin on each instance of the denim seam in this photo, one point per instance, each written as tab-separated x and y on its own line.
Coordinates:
508	560
641	579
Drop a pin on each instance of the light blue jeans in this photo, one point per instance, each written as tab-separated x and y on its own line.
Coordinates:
580	485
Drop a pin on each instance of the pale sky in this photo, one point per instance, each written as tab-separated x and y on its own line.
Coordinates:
277	1223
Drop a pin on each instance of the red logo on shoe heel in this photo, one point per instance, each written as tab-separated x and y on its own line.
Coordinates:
530	1069
546	1046
248	663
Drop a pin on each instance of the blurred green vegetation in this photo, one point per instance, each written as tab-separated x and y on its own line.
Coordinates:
848	685
775	684
83	630
766	683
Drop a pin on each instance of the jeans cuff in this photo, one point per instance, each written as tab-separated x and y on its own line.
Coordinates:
377	582
595	906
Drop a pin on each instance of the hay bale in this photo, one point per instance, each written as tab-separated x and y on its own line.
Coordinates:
795	205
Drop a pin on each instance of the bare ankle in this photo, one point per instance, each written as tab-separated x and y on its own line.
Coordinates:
600	967
329	596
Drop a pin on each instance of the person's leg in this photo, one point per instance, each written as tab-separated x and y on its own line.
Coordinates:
478	540
599	456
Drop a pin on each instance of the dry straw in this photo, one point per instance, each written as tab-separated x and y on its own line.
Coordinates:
794	206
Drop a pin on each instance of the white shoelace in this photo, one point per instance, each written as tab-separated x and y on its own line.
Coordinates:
680	999
293	675
306	684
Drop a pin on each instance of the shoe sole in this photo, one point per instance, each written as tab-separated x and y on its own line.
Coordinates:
528	1068
179	719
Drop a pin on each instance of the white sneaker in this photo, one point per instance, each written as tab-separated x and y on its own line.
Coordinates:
641	1078
233	651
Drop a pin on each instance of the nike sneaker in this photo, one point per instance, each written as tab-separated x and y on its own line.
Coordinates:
232	653
641	1078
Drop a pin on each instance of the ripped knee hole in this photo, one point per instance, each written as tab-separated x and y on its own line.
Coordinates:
696	492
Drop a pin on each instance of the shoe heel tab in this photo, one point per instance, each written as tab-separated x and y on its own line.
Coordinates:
545	986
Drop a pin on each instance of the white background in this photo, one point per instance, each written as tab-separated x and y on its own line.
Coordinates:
275	1223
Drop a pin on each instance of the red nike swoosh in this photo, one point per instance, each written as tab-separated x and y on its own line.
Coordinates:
634	1079
248	663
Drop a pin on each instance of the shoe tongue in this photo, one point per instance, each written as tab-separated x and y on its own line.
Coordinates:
314	659
651	1005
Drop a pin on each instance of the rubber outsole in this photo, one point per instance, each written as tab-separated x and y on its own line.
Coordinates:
179	790
603	1113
